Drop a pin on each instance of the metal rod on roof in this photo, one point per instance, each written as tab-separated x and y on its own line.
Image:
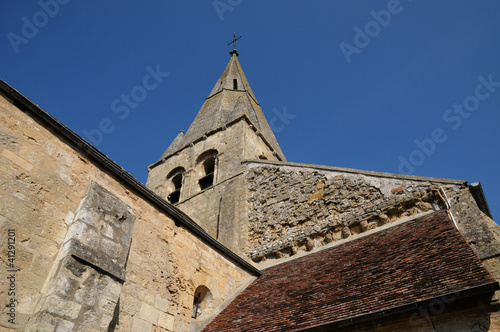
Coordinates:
449	206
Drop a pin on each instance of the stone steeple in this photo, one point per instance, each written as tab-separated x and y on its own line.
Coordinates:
230	99
202	171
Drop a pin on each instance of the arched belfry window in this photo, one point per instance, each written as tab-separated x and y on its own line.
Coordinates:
202	302
208	162
175	179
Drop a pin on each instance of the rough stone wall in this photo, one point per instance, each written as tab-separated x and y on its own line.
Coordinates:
228	143
221	209
480	231
255	147
236	142
84	286
43	180
294	208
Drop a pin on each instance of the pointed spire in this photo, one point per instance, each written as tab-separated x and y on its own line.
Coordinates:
232	78
230	98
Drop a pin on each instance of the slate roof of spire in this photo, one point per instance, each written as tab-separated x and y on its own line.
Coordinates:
225	103
402	265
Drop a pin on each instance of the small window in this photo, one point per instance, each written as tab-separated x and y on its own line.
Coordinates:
175	184
206	168
235	84
209	168
202	302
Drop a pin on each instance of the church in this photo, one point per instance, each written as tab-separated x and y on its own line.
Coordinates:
227	235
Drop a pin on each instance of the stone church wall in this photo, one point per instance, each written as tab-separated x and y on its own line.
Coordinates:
144	269
220	209
480	231
294	207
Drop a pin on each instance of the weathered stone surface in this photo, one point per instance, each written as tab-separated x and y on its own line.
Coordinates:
48	186
78	286
149	313
90	277
141	325
65	326
289	205
44	209
220	209
58	306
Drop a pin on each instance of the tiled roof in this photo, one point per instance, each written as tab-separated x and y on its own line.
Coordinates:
414	261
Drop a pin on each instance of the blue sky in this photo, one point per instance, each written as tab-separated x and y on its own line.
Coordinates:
397	86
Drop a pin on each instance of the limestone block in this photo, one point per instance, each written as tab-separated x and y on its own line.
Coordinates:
17	160
64	174
59	306
33	134
181	323
310	244
9	141
69	218
78	231
46	324
129	301
84	214
64	157
364	225
149	313
107	230
111	248
55	230
49	148
86	294
65	326
63	285
161	303
90	321
106	304
139	324
172	309
23	256
27	153
383	219
346	232
41	265
105	321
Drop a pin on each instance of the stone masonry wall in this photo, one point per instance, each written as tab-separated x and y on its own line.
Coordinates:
482	234
84	286
43	181
294	208
220	209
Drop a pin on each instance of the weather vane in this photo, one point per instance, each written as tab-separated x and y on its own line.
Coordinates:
234	41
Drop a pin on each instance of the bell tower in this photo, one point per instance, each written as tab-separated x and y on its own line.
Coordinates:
201	172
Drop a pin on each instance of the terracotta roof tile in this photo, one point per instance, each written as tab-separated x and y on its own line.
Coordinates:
414	261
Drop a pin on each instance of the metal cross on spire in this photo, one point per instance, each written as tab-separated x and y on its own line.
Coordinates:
234	41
